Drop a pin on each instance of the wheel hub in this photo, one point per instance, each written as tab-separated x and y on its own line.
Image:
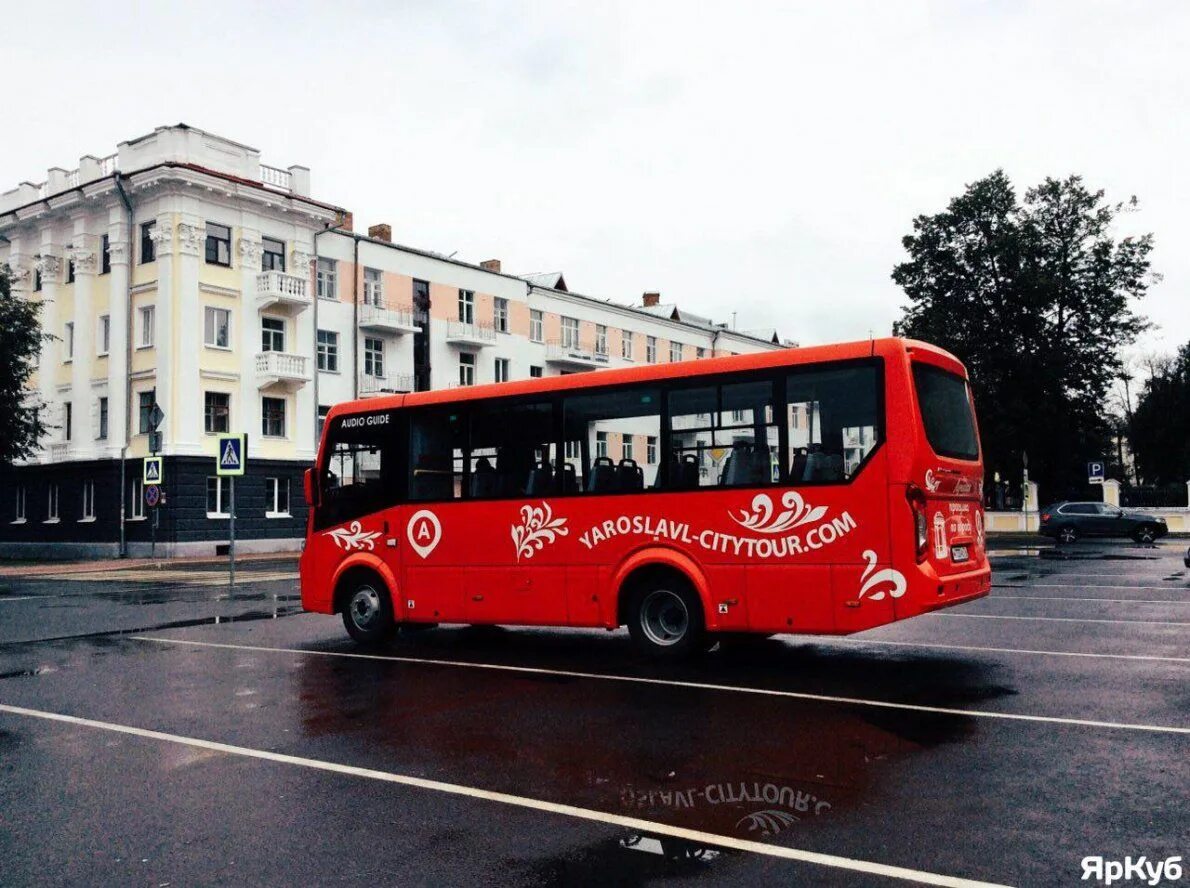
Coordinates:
664	617
365	605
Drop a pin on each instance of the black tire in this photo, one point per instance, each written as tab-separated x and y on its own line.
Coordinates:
1145	534
368	612
665	618
1068	534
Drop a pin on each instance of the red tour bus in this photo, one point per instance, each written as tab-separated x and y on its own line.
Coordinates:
814	490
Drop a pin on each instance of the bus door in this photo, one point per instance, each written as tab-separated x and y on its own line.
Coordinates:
952	478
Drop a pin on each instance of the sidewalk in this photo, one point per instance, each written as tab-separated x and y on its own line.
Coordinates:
37	568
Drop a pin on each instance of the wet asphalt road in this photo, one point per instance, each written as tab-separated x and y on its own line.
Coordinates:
1026	731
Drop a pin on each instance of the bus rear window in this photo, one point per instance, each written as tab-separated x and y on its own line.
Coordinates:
946	412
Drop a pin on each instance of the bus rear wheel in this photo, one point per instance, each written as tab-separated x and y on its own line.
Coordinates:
665	619
368	613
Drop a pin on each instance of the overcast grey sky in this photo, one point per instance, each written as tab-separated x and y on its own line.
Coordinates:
764	159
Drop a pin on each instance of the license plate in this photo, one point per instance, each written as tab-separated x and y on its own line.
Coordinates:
958	553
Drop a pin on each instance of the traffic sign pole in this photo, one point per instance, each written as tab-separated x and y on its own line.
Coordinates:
231	548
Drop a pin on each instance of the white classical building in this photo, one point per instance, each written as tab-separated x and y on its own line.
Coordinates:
184	273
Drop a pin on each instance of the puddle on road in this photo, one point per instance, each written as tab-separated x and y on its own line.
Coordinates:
635	859
727	763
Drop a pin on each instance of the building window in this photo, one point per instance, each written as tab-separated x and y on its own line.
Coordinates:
70	271
136	506
500	316
572	449
105	255
466	369
218	496
145	401
88	501
651	450
536	327
373	287
467	306
148	321
272	334
626	345
272	412
373	357
675	351
601	443
600	339
37	280
18	516
276	497
216	412
104	335
535	372
273	256
68	421
626	449
101	433
569	332
328	351
700	353
503	369
218	245
328	278
148	249
51	503
217	327
651	349
68	340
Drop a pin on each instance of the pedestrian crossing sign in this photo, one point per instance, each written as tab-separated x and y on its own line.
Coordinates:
153	470
231	455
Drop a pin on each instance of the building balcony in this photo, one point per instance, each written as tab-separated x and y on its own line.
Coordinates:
573	355
478	335
278	288
275	368
390	384
387	319
58	451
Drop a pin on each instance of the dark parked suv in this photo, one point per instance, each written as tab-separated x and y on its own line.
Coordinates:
1066	522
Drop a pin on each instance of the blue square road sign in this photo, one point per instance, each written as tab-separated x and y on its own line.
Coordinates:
232	455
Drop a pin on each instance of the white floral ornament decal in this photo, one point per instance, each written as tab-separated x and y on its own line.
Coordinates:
538	526
883	581
762	520
354	537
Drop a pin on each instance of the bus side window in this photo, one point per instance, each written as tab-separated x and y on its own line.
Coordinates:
437	437
833	422
610	440
511	449
723	435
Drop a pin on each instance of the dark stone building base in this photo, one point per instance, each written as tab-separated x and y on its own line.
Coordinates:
183	527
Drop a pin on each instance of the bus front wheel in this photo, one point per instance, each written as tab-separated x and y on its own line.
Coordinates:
665	619
368	613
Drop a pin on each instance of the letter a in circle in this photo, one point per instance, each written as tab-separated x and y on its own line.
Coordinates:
424	532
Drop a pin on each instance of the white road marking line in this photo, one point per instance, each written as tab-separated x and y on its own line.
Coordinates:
23	598
632	823
1002	650
674	683
1065	598
1056	619
1025	585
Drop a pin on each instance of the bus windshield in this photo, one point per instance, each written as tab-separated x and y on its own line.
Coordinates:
946	412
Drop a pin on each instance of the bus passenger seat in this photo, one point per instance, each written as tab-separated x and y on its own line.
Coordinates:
797	470
603	476
568	478
688	476
541	480
630	475
483	479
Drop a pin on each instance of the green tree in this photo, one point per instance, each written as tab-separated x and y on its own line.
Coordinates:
1160	428
20	342
1035	297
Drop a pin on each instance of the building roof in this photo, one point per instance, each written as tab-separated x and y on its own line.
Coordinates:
551	279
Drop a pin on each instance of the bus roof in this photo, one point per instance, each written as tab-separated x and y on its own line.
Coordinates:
815	354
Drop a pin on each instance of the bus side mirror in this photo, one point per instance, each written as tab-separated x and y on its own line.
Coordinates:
310	488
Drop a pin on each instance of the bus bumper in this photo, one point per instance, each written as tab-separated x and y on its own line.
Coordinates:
934	592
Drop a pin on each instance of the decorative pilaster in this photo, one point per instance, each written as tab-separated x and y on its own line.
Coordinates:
84	253
302	429
245	408
120	252
187	395
164	343
49	263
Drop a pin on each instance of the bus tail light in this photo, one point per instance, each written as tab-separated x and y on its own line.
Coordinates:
917	504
